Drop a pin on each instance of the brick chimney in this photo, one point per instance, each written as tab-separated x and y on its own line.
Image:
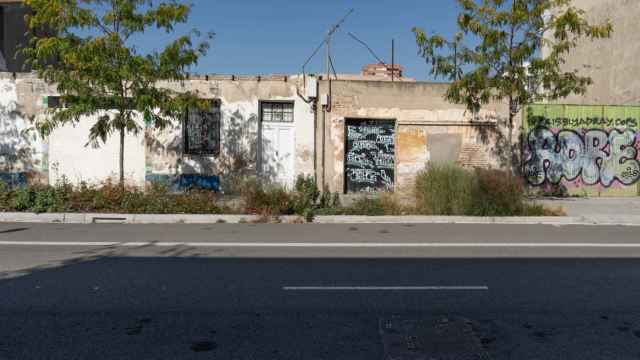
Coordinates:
382	70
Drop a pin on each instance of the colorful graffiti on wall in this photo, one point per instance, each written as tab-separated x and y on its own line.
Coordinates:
595	148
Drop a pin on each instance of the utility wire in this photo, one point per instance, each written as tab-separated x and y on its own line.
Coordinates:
368	48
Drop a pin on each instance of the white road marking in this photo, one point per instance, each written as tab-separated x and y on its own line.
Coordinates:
385	288
322	244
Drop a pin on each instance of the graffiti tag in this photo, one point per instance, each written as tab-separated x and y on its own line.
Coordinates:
587	122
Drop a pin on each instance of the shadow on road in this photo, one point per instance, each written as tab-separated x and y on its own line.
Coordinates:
178	305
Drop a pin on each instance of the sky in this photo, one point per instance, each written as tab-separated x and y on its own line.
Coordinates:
255	37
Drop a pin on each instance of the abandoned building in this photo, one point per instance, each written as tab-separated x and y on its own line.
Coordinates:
365	134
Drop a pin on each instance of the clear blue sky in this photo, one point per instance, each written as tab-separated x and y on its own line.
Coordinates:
276	36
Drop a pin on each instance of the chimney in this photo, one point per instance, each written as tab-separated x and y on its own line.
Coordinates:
382	70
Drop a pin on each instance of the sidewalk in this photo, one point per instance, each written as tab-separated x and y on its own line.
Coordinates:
606	207
608	219
580	211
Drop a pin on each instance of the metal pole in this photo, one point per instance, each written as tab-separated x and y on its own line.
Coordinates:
393	59
328	58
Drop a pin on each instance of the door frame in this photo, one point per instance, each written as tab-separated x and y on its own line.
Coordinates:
260	125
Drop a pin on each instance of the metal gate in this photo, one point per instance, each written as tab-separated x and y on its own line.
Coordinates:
369	155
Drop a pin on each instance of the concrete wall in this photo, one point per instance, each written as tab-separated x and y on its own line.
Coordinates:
240	145
428	128
611	63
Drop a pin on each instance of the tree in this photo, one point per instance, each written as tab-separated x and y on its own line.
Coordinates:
520	47
85	48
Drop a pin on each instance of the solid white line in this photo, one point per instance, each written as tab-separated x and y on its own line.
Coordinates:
385	288
322	245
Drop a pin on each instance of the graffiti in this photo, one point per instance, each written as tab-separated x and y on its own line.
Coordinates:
179	183
364	145
369	155
585	123
595	156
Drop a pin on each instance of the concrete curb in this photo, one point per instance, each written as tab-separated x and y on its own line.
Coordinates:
543	220
94	218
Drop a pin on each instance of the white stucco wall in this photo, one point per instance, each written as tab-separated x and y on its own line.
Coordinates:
69	156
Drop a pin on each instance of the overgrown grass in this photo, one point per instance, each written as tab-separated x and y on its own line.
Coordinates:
446	189
443	189
439	190
108	198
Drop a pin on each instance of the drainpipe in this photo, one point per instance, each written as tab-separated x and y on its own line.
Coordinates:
324	148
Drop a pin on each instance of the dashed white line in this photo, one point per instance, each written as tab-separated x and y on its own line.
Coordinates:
385	288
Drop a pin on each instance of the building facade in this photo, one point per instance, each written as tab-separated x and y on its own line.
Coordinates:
590	144
358	135
377	135
257	126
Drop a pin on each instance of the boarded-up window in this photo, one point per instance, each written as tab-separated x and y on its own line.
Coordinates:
369	155
202	130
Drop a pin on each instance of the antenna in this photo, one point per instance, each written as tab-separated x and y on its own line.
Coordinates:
380	61
326	41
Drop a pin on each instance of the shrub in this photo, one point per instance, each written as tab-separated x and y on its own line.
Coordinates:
266	200
306	194
443	189
23	199
47	199
366	206
446	189
5	196
497	193
393	205
553	190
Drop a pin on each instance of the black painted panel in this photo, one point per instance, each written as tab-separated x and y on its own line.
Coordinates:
369	155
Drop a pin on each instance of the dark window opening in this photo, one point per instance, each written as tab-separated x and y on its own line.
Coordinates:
54	102
202	130
277	111
2	36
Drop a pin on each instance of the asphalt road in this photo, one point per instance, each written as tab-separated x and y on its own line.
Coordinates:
319	292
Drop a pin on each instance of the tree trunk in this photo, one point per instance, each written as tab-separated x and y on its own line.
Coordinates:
122	133
512	154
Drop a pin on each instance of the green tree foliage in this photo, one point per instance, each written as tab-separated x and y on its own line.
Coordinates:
506	62
85	48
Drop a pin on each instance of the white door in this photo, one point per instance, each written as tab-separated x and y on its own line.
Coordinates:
278	143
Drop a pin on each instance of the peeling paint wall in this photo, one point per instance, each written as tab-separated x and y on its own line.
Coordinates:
23	154
427	128
240	127
152	155
63	153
